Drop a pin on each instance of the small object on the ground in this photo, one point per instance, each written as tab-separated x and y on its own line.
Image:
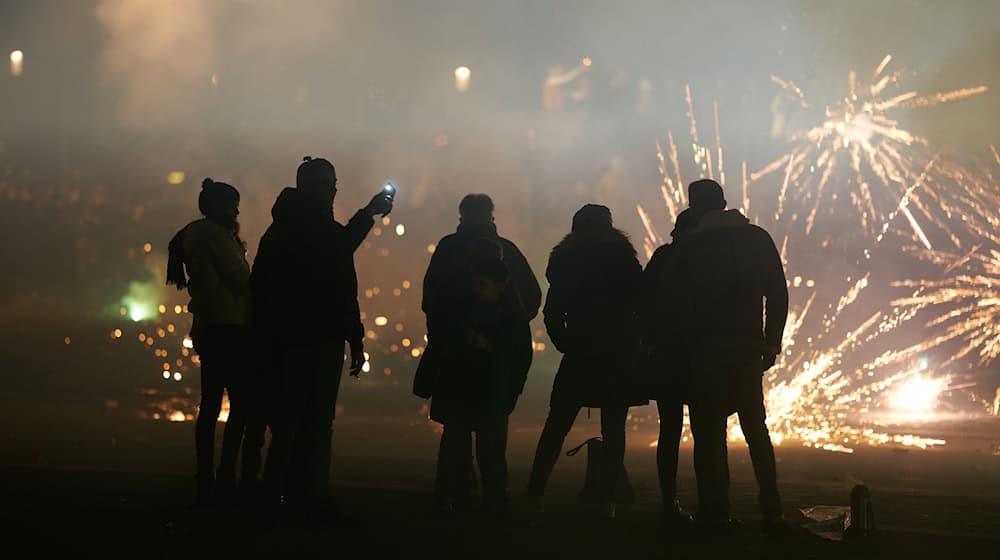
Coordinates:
828	522
862	521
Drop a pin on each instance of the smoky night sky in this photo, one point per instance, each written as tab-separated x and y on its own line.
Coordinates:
113	111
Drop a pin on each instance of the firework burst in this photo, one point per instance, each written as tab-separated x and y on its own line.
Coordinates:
860	136
829	376
964	303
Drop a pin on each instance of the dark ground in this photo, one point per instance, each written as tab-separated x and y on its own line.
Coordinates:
114	486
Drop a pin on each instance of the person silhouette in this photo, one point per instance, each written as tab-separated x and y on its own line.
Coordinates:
483	353
209	259
667	359
728	272
305	293
594	280
475	238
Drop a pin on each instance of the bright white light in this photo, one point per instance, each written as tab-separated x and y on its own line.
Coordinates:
400	230
16	63
462	77
138	313
187	343
918	394
177	376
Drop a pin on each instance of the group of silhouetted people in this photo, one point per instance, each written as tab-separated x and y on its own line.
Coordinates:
689	329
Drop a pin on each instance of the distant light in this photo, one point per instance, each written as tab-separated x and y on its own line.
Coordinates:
166	375
68	340
138	312
400	230
462	78
177	376
415	352
406	343
215	80
117	333
16	63
366	367
178	309
381	321
406	284
176	416
923	363
587	62
431	248
176	177
147	248
187	342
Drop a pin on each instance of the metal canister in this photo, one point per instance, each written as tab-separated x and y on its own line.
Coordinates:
862	520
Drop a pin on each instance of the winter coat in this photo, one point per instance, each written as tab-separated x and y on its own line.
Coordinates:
724	272
215	259
304	284
481	361
590	309
451	258
665	351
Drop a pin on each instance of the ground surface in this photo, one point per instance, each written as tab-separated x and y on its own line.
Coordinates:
118	487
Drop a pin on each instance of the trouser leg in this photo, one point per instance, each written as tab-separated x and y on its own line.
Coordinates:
667	448
752	420
260	404
236	383
557	426
613	434
708	425
326	366
491	452
293	395
453	486
212	388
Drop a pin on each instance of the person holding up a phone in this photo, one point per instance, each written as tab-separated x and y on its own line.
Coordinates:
305	294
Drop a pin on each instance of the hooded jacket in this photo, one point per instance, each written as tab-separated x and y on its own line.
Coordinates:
219	286
304	284
453	254
594	282
723	274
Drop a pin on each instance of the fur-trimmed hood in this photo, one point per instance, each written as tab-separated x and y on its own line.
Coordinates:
613	242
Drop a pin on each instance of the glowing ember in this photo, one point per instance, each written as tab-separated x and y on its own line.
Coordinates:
919	394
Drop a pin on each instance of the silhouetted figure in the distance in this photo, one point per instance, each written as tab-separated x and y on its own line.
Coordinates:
729	273
483	352
305	295
211	253
594	284
668	358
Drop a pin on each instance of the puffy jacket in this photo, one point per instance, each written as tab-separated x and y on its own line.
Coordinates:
215	259
305	287
723	273
590	316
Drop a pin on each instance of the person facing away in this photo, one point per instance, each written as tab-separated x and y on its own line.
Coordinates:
729	273
594	279
209	259
305	294
454	251
483	356
667	359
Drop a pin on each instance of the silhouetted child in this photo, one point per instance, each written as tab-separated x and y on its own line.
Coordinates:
482	361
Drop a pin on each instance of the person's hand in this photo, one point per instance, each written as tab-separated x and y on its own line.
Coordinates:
767	361
381	204
357	359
